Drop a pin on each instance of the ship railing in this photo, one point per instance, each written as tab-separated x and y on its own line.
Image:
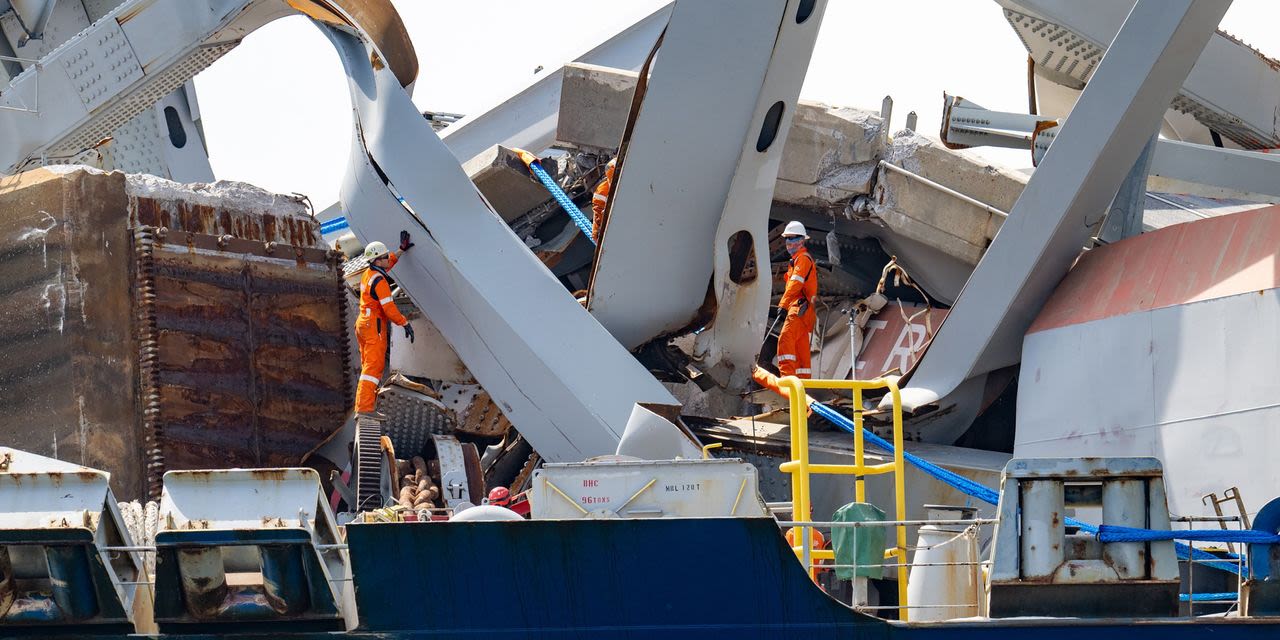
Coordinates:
801	468
822	560
1214	599
965	531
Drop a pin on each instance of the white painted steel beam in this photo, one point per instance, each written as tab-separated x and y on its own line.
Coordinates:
742	308
560	378
675	200
1232	89
1116	114
527	120
1248	173
117	68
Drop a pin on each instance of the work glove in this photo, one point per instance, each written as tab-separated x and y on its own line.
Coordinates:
408	332
405	244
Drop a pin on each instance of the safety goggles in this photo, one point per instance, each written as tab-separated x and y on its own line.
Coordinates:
793	239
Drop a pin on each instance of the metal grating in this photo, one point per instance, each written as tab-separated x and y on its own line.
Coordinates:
413	417
142	98
244	358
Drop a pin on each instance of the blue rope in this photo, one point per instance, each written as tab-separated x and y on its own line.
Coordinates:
1226	596
561	197
991	496
1113	533
336	224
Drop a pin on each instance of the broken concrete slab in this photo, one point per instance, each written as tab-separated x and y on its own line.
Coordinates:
920	212
505	181
829	154
594	103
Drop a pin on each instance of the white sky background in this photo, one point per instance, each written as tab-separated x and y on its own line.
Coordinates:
276	112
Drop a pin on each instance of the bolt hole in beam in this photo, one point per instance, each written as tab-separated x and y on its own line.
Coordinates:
742	258
805	10
769	129
177	133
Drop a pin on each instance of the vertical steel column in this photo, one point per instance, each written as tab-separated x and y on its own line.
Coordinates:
1124	219
562	380
1043	531
1124	503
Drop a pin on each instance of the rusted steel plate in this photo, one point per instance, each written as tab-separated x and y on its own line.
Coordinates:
182	215
376	18
483	418
253	367
68	366
1190	262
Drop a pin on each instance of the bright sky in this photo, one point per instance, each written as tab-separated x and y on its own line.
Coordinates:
276	112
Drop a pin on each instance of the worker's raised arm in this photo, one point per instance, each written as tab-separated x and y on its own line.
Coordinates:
794	291
382	293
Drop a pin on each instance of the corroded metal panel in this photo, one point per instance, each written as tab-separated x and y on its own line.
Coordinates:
66	335
183	215
251	357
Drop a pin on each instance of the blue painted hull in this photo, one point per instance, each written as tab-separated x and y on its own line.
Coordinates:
639	579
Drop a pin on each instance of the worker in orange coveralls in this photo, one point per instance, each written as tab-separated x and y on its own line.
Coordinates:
797	302
600	199
373	324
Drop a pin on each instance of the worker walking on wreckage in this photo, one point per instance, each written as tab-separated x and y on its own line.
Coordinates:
797	303
801	287
373	324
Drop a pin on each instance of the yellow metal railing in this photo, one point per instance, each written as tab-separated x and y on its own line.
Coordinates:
800	469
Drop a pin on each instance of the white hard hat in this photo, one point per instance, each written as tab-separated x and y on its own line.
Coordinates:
794	228
375	250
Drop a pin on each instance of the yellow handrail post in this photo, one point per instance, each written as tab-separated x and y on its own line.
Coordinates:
859	448
900	495
800	469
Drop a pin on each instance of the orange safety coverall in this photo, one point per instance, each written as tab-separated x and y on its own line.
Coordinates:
793	341
373	332
599	200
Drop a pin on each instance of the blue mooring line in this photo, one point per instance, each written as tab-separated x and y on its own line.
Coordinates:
1229	596
561	197
992	497
336	224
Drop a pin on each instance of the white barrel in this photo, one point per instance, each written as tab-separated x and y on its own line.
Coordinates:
945	581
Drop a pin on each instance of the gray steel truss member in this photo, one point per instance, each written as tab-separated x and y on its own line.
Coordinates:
527	120
1112	122
560	378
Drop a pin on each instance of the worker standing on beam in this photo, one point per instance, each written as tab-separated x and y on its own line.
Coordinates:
797	303
600	199
373	325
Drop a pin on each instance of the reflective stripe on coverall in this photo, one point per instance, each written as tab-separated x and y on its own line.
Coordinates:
373	332
793	341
